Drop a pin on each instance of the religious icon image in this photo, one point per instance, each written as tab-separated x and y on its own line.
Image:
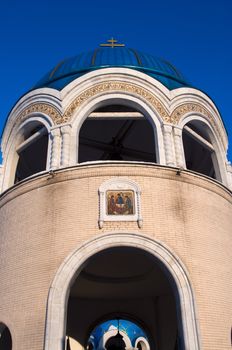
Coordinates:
120	202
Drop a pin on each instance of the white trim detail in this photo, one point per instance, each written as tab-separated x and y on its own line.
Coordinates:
55	327
144	341
16	138
119	184
219	156
55	148
111	333
117	98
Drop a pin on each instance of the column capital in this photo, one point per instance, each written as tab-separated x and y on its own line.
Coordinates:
55	132
177	131
65	129
167	128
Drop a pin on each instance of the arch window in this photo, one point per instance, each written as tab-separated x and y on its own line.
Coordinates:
31	151
199	150
117	132
5	337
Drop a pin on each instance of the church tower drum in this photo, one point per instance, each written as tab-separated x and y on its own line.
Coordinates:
115	210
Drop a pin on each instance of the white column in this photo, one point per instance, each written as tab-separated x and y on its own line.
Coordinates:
101	209
55	148
65	148
179	150
168	145
140	219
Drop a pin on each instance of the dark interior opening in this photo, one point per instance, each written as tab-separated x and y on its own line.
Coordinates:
32	157
124	283
5	338
115	343
198	155
116	132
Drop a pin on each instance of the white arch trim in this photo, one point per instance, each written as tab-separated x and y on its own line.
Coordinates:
10	155
73	264
144	341
111	333
116	97
220	162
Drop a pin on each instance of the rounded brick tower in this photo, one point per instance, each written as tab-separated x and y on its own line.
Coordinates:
115	206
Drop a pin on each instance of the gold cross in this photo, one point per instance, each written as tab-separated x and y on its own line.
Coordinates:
112	43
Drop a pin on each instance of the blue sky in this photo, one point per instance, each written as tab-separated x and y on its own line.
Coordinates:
195	36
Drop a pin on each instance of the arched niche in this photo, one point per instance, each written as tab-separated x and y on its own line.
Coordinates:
171	271
27	150
118	127
5	337
201	149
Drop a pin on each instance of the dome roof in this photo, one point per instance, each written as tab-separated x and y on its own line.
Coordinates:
112	55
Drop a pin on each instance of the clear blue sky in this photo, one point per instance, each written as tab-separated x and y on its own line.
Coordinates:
195	36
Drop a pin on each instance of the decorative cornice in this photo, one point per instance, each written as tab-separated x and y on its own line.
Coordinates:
185	108
150	98
45	108
116	86
119	86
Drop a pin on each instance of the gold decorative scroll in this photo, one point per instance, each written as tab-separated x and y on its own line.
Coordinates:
119	86
44	108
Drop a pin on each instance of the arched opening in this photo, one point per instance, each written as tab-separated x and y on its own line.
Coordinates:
128	284
31	150
117	132
5	337
199	149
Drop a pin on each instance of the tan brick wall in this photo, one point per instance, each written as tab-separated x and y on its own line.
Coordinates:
44	219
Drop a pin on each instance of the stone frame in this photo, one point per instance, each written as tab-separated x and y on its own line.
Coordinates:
119	184
55	324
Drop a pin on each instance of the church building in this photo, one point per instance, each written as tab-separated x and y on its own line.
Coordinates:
115	210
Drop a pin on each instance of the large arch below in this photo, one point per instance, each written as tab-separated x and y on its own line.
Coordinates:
74	263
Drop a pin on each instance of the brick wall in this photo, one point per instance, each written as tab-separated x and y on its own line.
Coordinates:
46	218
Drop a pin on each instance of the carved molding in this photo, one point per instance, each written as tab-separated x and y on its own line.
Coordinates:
45	108
185	108
151	99
116	86
119	86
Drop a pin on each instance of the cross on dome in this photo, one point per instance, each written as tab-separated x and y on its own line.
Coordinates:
112	43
